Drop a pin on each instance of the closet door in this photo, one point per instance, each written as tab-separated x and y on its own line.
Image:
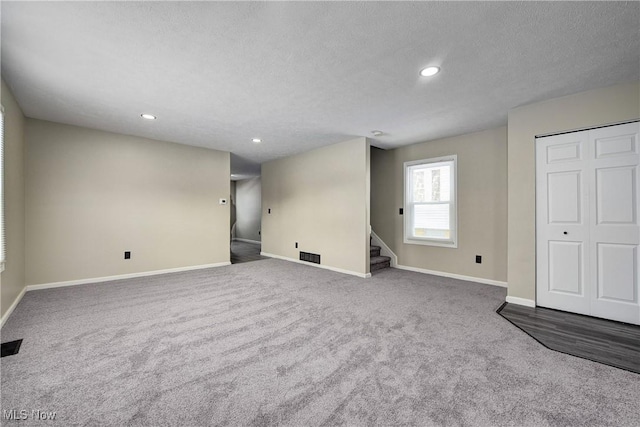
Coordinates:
562	222
614	232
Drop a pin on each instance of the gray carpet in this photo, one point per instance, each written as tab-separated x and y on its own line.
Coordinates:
278	343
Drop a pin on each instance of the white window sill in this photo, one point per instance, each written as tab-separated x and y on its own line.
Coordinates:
429	242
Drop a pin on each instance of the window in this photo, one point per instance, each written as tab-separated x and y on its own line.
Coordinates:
430	216
2	233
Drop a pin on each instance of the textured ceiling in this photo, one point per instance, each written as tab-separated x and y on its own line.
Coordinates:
301	75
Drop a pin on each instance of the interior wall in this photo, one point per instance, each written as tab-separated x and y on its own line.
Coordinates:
482	204
91	195
12	281
249	208
319	199
587	109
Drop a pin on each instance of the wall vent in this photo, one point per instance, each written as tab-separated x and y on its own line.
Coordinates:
309	257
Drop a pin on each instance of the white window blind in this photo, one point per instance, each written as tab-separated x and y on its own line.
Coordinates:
430	202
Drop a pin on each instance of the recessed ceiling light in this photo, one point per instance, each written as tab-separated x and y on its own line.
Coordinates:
148	116
377	132
257	140
429	71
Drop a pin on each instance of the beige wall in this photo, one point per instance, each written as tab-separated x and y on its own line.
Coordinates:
583	110
319	199
91	195
12	280
482	204
248	209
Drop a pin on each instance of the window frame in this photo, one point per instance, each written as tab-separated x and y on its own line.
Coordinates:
452	242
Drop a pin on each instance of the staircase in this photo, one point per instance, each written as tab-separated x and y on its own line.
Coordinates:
378	262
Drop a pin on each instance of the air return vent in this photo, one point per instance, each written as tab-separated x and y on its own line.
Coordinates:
309	257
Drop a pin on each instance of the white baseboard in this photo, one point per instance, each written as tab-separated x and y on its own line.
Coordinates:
122	276
247	241
12	307
384	249
521	301
454	276
310	264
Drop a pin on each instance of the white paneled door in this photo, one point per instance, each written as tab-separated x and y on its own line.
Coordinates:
587	230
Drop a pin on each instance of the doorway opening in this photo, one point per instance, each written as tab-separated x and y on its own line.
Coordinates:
246	220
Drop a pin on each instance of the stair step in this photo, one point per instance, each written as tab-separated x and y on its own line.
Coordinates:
379	259
379	262
374	250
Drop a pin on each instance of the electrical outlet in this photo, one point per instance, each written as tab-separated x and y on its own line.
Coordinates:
478	259
401	211
296	245
269	210
127	254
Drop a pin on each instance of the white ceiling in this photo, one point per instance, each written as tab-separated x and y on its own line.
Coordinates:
301	75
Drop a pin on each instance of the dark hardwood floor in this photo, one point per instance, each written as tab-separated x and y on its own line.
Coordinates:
245	252
604	341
